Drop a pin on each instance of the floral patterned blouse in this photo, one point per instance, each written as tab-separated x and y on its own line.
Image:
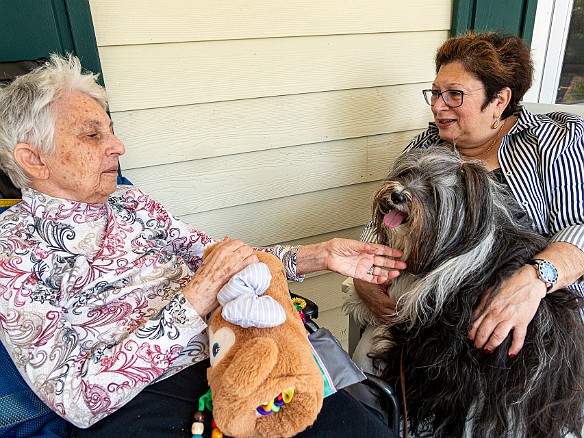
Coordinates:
90	298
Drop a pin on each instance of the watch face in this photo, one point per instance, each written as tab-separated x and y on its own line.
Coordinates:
548	272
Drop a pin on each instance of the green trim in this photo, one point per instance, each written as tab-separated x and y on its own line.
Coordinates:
31	29
529	21
83	35
62	26
28	30
515	17
463	12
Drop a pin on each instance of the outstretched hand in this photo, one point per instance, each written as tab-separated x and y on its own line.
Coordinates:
512	308
370	262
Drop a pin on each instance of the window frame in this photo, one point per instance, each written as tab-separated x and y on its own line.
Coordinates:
548	45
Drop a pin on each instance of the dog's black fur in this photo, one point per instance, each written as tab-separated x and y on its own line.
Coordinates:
461	222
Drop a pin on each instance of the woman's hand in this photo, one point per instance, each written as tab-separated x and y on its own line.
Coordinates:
227	258
516	303
512	308
371	262
376	299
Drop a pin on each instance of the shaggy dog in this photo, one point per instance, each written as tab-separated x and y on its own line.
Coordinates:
461	240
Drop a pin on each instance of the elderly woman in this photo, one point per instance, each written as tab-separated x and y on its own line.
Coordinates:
480	81
103	291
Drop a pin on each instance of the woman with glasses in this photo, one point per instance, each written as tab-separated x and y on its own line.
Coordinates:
475	99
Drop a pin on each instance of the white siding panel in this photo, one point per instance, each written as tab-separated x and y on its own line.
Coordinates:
202	185
383	149
167	135
146	21
290	218
349	233
325	290
337	322
157	75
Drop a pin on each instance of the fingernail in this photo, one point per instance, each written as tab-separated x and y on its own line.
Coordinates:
512	355
488	351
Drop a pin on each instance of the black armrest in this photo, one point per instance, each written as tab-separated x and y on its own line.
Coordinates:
311	309
387	391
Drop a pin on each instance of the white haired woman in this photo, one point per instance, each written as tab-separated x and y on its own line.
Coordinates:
104	292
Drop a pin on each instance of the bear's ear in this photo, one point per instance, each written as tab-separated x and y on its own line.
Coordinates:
251	365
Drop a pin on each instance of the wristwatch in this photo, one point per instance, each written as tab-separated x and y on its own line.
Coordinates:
546	272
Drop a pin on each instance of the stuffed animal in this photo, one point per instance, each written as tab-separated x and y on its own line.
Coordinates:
263	377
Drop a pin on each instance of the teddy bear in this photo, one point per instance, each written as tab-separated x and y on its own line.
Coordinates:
263	377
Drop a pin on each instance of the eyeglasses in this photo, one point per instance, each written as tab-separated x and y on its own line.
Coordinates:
452	98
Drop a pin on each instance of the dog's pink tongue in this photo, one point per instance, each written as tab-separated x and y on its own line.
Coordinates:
393	218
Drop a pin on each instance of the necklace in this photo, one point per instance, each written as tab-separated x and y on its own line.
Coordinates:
476	157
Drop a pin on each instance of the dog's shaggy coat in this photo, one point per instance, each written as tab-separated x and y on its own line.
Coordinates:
461	240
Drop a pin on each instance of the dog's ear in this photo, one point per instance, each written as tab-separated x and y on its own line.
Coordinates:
478	192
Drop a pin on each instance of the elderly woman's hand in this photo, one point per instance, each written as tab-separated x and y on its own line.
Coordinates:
371	262
227	258
512	309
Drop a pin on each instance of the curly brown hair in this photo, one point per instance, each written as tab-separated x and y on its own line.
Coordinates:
498	61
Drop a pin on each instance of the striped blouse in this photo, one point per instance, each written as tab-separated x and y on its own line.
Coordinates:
542	159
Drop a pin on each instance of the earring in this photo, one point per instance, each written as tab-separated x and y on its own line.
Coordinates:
495	124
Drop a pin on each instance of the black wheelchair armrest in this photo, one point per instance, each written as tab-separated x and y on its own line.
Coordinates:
311	309
387	391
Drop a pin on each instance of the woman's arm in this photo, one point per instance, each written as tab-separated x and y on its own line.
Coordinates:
351	258
560	183
515	305
216	269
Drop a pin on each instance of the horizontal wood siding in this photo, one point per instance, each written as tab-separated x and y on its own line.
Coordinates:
147	22
156	75
194	132
269	121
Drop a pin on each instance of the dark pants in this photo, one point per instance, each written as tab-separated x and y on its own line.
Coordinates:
165	410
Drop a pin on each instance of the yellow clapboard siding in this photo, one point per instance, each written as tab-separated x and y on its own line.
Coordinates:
157	75
201	185
147	21
290	218
338	323
224	128
349	233
383	149
325	290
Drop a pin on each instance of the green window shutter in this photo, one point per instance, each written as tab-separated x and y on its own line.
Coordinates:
513	17
31	29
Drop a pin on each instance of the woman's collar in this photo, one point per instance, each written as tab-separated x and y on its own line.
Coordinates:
525	120
51	208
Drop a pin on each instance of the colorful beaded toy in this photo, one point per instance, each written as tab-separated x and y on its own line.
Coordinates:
277	403
198	427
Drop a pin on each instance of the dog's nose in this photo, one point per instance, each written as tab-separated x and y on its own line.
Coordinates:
398	197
